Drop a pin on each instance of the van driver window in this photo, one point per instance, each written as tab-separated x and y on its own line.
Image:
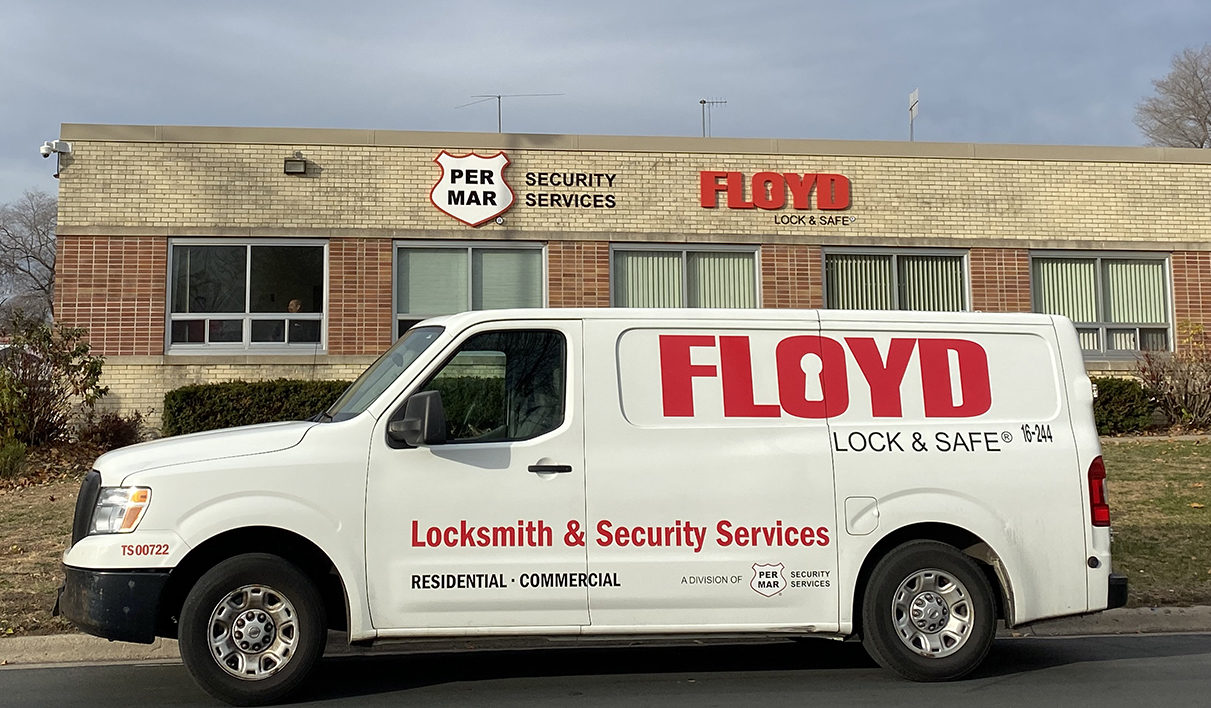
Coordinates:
502	386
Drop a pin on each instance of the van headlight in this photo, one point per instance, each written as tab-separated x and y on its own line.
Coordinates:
119	509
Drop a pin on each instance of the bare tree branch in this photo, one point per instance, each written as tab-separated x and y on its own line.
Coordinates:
1179	115
27	254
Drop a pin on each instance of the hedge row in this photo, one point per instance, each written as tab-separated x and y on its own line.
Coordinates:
1122	405
192	409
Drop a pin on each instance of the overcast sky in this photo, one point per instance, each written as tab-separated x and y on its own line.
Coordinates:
1021	71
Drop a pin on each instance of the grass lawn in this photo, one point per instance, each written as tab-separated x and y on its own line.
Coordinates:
35	527
1158	489
1160	515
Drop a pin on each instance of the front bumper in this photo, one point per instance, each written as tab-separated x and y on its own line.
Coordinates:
1117	592
120	604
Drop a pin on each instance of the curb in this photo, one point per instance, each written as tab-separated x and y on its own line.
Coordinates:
1134	620
82	648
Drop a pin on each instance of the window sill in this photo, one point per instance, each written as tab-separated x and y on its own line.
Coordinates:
1101	363
213	357
217	359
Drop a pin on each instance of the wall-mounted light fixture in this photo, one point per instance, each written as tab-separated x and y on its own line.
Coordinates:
296	165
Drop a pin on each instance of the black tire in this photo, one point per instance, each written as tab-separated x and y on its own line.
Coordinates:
928	612
268	605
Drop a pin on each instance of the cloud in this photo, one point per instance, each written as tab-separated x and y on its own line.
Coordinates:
1024	72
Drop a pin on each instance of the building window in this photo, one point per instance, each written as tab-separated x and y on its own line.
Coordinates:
442	279
1119	304
247	296
676	277
895	281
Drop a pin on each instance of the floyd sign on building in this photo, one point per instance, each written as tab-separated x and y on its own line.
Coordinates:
472	187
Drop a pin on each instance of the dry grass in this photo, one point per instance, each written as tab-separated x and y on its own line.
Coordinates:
1158	489
35	527
1160	501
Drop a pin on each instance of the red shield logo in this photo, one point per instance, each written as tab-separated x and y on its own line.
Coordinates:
472	187
768	578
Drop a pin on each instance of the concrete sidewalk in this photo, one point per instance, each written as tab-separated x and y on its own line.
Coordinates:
82	648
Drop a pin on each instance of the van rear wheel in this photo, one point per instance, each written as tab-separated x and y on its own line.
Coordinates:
251	629
928	612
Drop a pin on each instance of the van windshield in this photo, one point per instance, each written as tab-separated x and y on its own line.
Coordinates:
381	373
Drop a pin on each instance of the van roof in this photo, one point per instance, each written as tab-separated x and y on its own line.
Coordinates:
709	316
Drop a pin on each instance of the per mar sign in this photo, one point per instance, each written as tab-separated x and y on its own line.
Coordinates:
472	187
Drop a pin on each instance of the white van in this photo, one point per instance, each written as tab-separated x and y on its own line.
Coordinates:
906	478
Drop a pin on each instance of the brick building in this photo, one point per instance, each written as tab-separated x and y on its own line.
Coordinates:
207	254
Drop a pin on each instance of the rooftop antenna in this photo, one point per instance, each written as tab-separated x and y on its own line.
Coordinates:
912	111
498	96
706	113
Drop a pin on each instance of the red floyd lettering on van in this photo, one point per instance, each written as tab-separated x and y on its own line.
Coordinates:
954	375
769	190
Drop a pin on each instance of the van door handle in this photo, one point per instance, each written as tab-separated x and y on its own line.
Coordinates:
550	469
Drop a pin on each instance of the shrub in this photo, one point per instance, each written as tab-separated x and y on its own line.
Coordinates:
192	409
110	430
481	401
1180	381
12	458
46	377
1121	406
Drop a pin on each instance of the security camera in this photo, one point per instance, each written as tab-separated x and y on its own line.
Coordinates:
46	149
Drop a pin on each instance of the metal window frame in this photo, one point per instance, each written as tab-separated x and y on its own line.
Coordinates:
245	345
685	250
964	256
1102	302
469	247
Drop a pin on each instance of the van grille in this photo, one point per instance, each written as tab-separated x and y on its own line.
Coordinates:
86	501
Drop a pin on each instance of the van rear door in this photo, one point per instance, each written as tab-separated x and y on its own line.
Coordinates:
977	409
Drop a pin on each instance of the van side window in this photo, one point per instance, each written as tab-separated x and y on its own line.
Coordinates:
502	386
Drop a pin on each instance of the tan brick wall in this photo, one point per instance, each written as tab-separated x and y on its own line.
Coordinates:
124	191
360	313
141	386
116	288
578	274
201	188
791	276
1000	279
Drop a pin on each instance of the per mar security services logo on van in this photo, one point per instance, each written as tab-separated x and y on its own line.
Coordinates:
768	578
472	187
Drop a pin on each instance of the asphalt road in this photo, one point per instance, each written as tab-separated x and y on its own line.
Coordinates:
1103	671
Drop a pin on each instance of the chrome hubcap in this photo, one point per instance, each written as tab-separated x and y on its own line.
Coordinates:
253	632
932	613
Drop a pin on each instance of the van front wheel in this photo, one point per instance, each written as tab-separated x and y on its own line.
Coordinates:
928	612
251	629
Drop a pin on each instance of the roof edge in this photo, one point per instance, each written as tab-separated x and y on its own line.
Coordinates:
620	143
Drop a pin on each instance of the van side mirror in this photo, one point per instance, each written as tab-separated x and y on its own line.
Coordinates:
424	421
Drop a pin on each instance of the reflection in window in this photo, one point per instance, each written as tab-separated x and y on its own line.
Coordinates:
1119	305
383	372
503	386
443	280
895	281
247	294
679	278
208	278
287	279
